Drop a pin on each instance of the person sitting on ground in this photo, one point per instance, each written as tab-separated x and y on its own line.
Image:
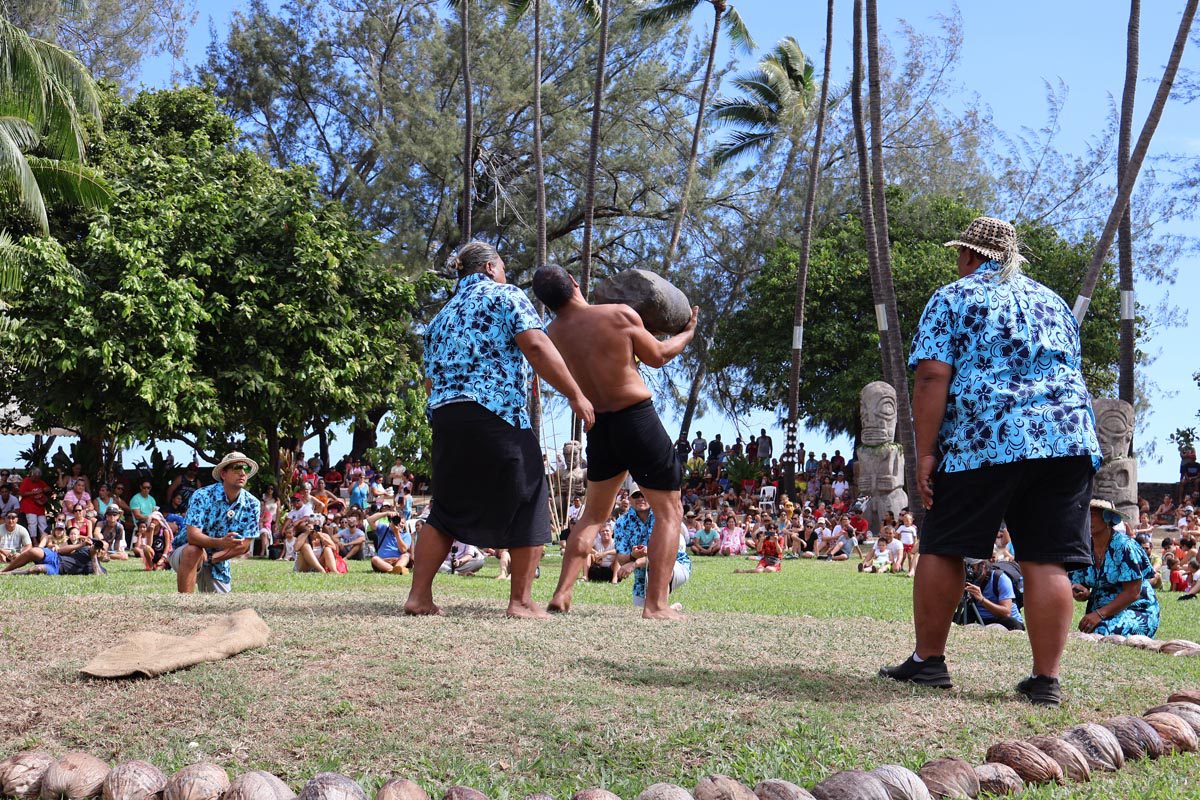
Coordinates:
140	539
113	533
887	554
316	549
1116	586
1190	580
393	543
707	541
14	538
770	554
463	559
70	556
9	502
352	539
631	537
156	552
77	495
602	562
143	504
993	594
733	542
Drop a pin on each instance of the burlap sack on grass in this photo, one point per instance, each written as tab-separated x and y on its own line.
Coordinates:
149	654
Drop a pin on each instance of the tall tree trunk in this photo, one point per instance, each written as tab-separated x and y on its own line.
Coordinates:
810	206
366	431
323	441
693	401
690	172
1125	185
468	194
864	171
891	337
589	199
1125	229
539	169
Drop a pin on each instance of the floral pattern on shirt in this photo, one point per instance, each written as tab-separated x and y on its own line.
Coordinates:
471	350
1125	561
1018	390
630	532
211	512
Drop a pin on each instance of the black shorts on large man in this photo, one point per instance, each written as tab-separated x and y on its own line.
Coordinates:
633	439
1044	502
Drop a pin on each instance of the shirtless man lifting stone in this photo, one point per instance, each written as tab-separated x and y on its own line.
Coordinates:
599	344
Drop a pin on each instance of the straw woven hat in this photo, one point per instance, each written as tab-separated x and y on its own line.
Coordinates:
988	236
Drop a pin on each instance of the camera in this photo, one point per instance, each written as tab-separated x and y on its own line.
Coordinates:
975	570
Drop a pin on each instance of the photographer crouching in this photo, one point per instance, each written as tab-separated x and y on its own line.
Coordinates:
989	596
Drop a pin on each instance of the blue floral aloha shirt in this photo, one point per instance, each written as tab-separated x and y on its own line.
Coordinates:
210	511
471	350
1018	390
1125	561
630	532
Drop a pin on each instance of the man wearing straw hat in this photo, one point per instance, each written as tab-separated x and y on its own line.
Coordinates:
222	522
1005	433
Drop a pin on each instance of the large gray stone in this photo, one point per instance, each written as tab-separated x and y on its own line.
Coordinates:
663	308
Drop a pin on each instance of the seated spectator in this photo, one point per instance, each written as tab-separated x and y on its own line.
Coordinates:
1002	549
993	594
1116	586
1189	583
77	495
80	519
74	477
631	541
393	544
352	539
886	555
1165	513
463	559
112	531
360	492
707	541
733	541
602	561
8	499
770	554
840	486
158	548
141	539
70	556
315	548
14	537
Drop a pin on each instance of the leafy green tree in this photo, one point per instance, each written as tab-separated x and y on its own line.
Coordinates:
221	301
751	351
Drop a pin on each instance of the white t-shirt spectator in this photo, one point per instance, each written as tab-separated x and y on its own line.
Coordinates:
908	534
601	546
15	540
303	512
895	550
840	487
396	474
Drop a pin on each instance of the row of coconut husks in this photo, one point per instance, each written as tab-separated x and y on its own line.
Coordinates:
1011	765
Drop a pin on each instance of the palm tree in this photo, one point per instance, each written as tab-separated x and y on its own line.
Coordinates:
45	95
1125	229
810	205
667	11
1125	185
597	10
468	192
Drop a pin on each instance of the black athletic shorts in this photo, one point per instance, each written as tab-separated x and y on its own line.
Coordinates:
489	480
633	439
1044	501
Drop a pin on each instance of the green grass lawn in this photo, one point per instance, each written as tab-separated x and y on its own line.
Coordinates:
771	676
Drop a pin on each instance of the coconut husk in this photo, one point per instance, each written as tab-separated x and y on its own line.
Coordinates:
710	787
463	793
664	791
853	784
1070	760
596	793
1176	734
950	777
1138	641
538	796
1175	646
75	776
258	785
197	782
1187	696
333	786
901	783
775	789
998	779
1029	762
1113	638
1099	746
21	776
134	780
1185	711
1138	739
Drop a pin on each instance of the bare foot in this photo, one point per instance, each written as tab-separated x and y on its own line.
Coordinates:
526	611
671	613
414	609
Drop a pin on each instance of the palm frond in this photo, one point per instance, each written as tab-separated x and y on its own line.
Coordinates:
589	8
68	183
737	31
22	75
665	12
64	67
515	9
740	143
10	267
762	86
21	131
787	51
64	136
745	114
18	182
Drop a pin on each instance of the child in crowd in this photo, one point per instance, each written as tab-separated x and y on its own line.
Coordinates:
887	554
770	554
907	533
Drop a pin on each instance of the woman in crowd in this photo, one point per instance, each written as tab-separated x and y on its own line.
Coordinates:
103	500
1120	599
270	508
315	550
80	519
77	495
733	542
73	476
113	533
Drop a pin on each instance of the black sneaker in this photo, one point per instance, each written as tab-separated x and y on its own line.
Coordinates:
1040	690
930	672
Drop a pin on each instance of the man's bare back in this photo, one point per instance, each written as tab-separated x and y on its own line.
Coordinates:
597	344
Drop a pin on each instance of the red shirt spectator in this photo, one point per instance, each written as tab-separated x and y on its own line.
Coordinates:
859	523
35	494
333	479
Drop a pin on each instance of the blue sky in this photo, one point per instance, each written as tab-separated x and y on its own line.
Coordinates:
1011	49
